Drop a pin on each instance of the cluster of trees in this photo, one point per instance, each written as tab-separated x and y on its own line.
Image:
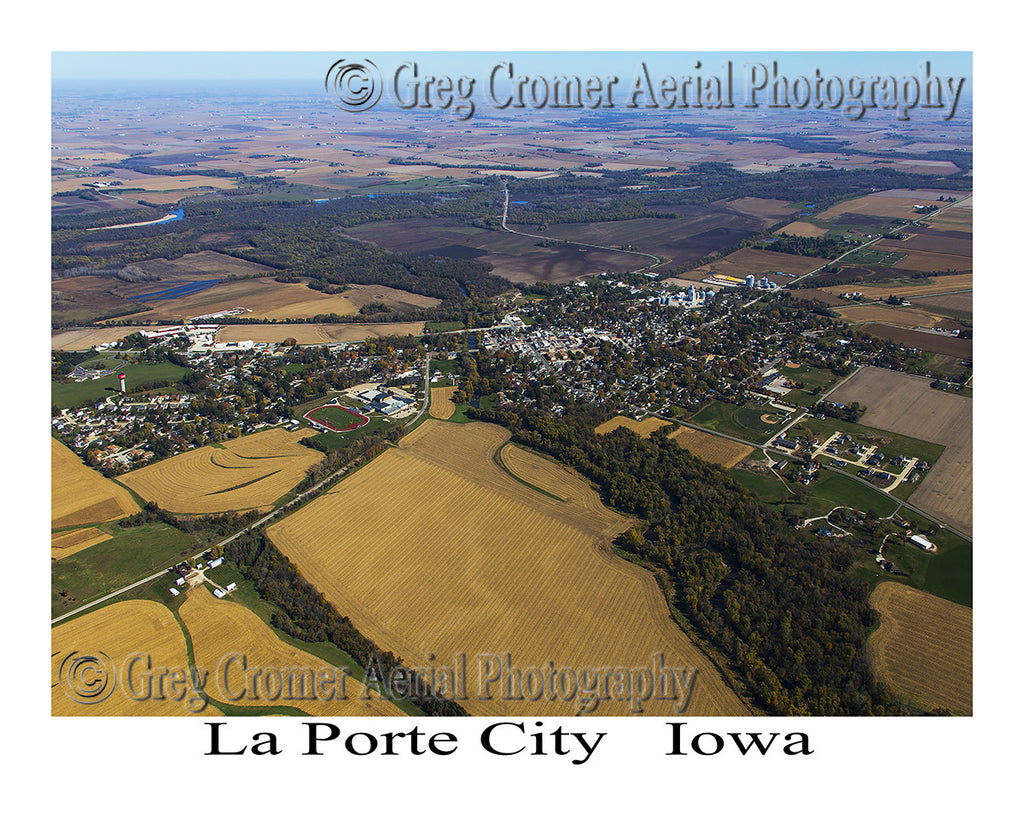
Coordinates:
827	247
780	604
305	614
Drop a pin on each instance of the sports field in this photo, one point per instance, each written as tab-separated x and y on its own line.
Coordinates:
80	495
434	552
244	473
923	647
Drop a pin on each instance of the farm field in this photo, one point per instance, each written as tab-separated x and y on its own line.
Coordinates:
802	229
80	495
919	287
270	299
887	204
316	333
933	342
221	629
642	428
692	234
119	631
441	404
957	303
243	473
516	258
888	314
907	405
85	338
66	544
741	263
710	447
500	567
923	647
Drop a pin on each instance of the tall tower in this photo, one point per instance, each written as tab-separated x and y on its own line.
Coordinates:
120	382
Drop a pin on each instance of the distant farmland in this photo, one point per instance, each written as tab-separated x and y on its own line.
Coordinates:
465	558
923	647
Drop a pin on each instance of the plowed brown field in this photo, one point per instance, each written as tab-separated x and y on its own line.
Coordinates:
434	552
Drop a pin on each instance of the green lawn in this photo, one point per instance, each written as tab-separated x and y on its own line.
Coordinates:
767	487
442	326
741	422
76	394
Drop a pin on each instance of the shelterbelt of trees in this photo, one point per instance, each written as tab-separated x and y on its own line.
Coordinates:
780	605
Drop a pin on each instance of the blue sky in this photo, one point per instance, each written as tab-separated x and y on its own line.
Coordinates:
310	67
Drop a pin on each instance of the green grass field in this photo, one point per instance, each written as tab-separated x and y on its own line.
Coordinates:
767	487
742	422
336	417
87	392
129	555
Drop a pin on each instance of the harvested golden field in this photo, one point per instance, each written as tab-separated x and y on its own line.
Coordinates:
244	473
802	229
924	647
881	204
441	404
886	314
465	560
711	447
67	543
905	404
552	477
317	333
222	629
119	631
80	495
85	338
642	428
938	284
